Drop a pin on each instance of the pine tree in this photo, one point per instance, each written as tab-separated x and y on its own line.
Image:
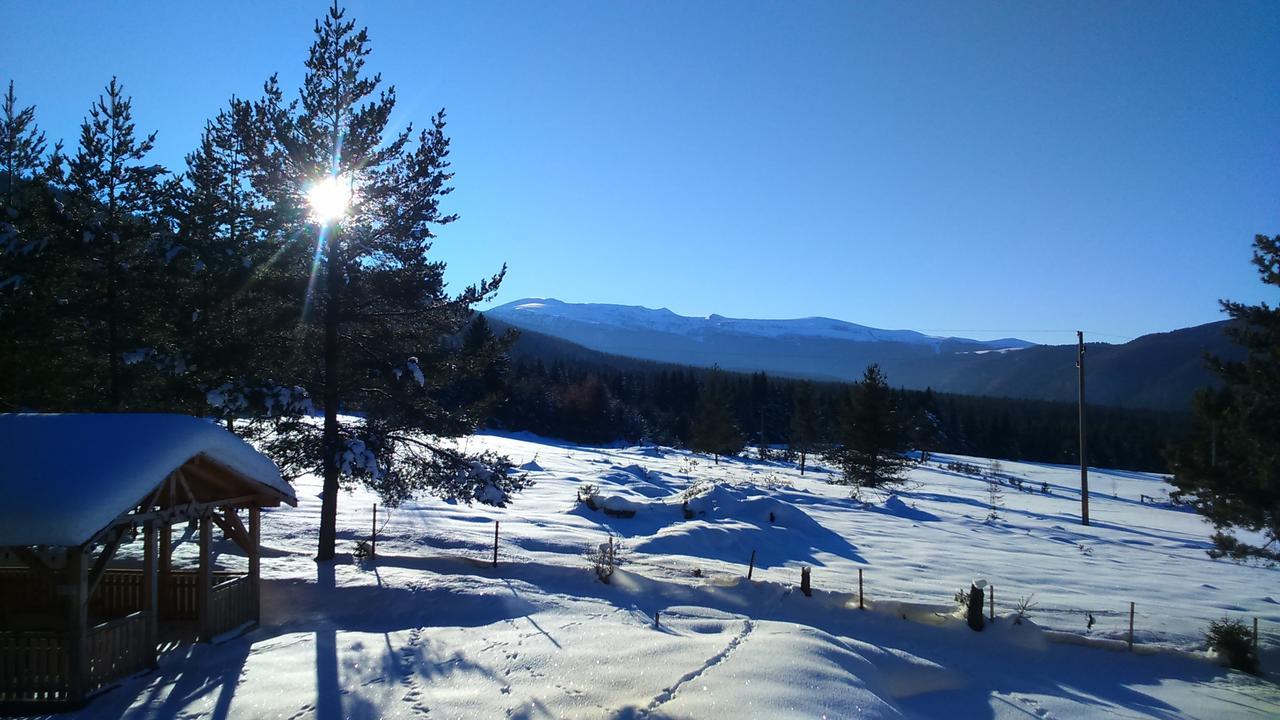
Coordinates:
804	420
715	429
239	300
872	435
27	211
1229	464
117	240
378	331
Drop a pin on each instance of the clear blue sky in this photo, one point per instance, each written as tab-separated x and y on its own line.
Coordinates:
982	169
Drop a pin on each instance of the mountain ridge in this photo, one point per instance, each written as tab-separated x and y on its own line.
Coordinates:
1157	371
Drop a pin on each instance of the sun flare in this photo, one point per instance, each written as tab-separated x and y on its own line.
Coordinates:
329	198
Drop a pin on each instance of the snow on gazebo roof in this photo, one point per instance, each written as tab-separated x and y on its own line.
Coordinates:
65	477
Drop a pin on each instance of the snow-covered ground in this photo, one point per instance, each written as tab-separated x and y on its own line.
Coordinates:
431	627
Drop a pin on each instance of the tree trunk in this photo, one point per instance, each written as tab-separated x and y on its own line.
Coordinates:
976	621
329	444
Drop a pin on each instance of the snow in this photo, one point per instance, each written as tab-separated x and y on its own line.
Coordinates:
66	477
545	314
679	632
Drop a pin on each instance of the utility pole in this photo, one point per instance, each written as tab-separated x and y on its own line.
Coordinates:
1084	461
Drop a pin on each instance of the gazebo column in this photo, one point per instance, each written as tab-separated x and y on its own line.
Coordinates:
166	565
77	637
204	579
150	589
255	559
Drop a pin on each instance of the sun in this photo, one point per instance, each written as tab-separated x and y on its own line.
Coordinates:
329	199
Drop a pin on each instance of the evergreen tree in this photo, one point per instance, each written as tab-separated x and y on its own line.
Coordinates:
804	420
26	214
378	331
112	254
1229	464
715	429
872	436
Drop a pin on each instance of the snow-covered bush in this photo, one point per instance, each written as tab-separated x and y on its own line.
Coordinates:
1232	640
605	558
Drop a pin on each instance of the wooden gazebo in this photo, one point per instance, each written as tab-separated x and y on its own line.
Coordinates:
75	490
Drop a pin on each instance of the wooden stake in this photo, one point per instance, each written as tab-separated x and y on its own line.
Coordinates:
495	543
991	614
1255	638
373	539
1084	462
804	581
657	618
1130	627
860	605
751	567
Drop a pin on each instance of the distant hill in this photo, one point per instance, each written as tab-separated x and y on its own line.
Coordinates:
1158	371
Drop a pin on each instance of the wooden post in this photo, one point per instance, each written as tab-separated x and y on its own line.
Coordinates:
1084	461
204	580
751	567
150	596
166	563
991	614
77	638
495	543
804	581
860	605
373	539
657	618
1255	638
1130	627
255	559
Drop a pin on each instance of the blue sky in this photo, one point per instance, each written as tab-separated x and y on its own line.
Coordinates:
982	169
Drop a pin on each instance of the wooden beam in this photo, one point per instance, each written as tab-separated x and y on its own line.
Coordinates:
166	561
100	566
204	581
255	559
150	594
77	637
236	531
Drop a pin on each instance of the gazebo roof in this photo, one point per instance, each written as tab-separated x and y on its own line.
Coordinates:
64	478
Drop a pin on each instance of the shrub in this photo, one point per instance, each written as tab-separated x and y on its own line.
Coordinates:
1234	641
1024	608
605	558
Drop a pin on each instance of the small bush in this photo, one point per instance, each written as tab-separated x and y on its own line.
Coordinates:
605	558
1024	608
1234	641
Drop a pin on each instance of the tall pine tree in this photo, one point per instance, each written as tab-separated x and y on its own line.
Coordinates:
376	337
1229	464
715	429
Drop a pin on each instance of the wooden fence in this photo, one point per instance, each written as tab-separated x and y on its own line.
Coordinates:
118	648
231	605
33	667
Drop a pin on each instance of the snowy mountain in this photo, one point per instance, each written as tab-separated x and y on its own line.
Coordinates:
1157	371
595	325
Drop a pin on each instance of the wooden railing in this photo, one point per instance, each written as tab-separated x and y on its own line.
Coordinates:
25	589
231	605
118	648
33	667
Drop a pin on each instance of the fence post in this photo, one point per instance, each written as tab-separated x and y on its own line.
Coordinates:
373	538
991	613
804	581
751	567
1131	627
495	543
1255	638
657	618
860	605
